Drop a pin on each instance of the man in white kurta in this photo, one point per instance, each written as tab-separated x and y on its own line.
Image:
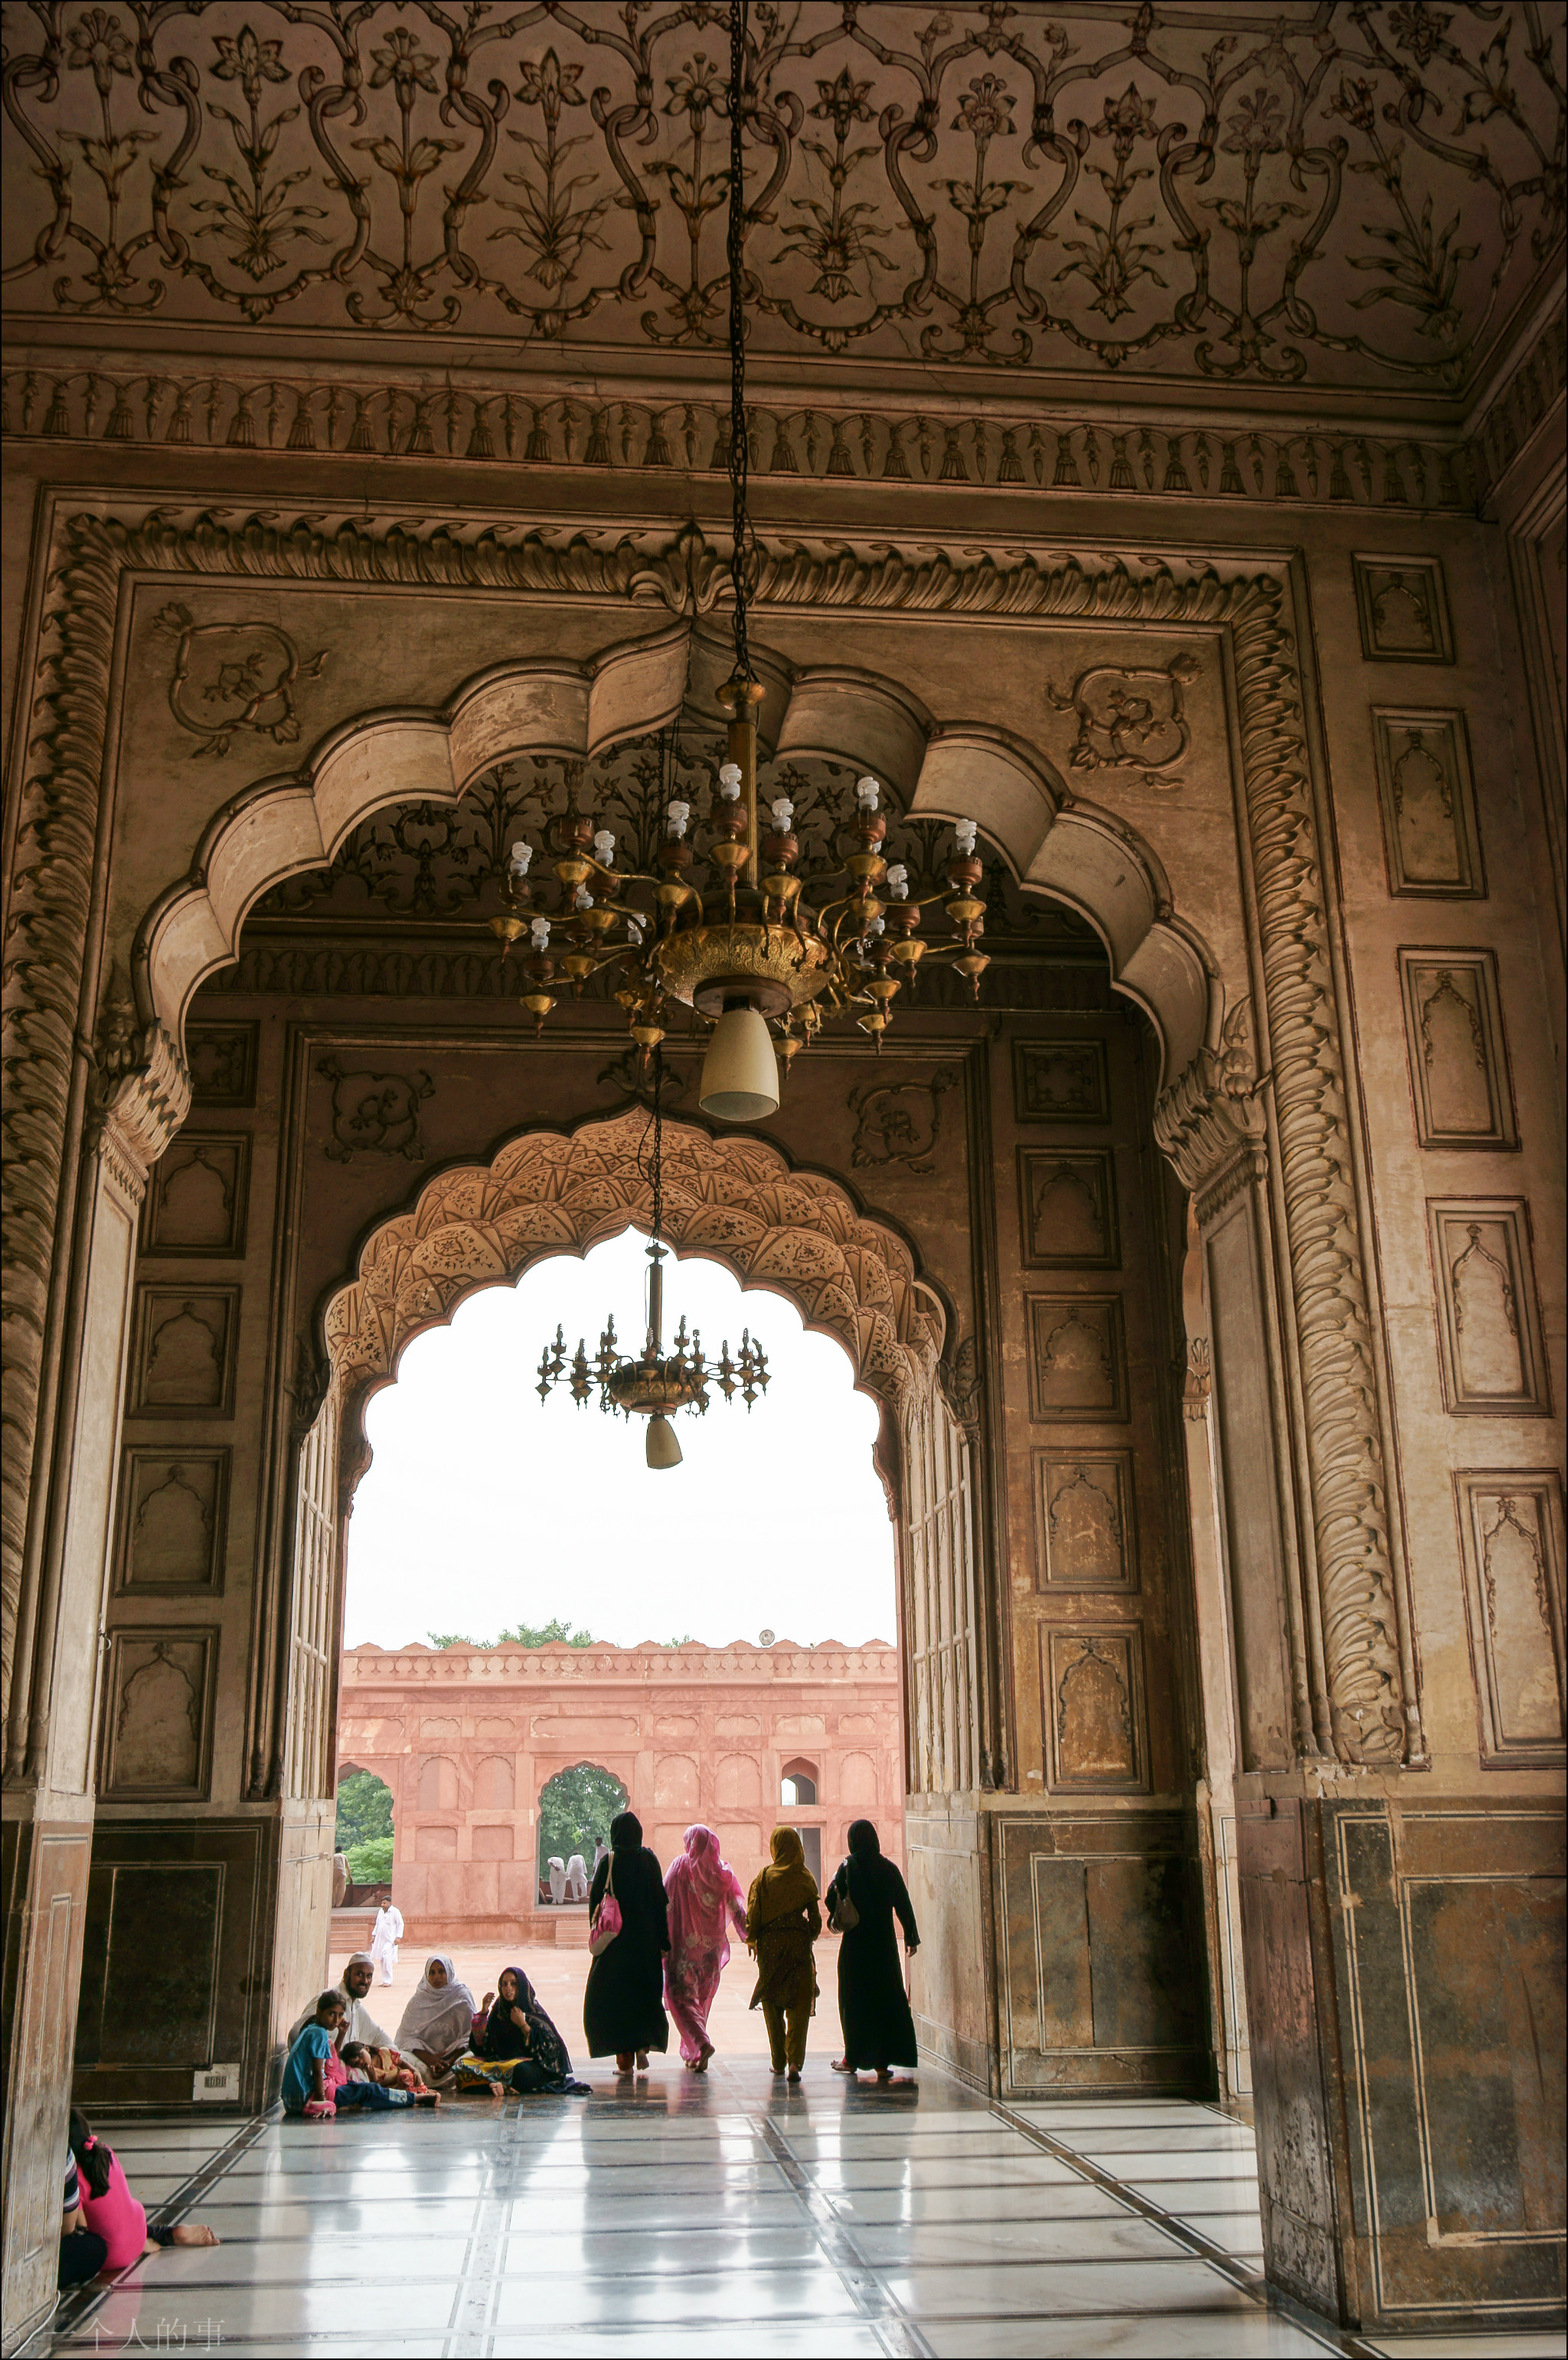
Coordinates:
556	1873
385	1937
576	1878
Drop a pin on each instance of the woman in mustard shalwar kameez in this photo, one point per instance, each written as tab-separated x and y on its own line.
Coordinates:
782	1922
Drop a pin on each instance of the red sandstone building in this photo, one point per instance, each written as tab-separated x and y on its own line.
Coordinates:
467	1738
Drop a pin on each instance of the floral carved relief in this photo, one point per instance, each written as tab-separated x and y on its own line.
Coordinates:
1362	196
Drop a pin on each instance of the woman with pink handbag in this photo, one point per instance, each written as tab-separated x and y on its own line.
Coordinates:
629	1923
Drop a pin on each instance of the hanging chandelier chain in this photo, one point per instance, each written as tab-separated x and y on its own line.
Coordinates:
744	558
658	1177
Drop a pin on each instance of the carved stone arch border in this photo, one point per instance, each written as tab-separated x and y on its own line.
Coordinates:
735	1200
1297	1134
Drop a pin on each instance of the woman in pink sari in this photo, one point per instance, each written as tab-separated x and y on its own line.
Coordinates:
704	1897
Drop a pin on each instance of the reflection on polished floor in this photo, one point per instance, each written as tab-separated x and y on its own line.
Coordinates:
714	2216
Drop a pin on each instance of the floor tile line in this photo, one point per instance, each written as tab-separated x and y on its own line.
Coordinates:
892	2326
1333	2338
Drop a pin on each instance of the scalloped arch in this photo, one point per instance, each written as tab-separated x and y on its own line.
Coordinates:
1084	856
735	1200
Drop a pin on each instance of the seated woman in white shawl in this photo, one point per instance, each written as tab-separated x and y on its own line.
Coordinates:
436	2022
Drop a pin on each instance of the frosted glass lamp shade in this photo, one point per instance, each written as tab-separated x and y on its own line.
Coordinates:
740	1073
663	1449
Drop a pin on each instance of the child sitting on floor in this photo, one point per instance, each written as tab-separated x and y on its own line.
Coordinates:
382	2066
112	2212
315	2079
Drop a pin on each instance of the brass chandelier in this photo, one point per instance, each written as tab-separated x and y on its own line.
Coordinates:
745	949
655	1384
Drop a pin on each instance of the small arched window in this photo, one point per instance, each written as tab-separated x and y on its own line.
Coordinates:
799	1784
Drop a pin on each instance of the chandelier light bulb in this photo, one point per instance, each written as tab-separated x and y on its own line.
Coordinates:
663	1448
678	814
522	855
783	814
633	933
963	836
540	932
604	847
583	899
877	926
897	882
740	1073
867	793
729	781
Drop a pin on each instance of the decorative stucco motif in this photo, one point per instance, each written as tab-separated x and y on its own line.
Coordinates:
1344	196
734	1199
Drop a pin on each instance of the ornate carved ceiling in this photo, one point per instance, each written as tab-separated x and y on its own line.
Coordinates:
1352	201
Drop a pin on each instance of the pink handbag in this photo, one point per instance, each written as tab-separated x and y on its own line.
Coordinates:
606	1923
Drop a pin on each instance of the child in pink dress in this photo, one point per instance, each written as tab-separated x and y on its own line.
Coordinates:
111	2210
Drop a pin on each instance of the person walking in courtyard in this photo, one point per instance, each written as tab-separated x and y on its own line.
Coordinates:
385	1936
782	1922
623	2004
704	1898
867	1894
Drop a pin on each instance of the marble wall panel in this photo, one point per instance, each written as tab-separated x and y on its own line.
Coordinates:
1490	1347
1096	1720
1077	1359
169	1973
1402	604
1085	1520
1060	1081
183	1352
1451	1969
1431	840
158	1723
1510	1525
1458	1057
173	1521
1102	1980
1067	1208
195	1202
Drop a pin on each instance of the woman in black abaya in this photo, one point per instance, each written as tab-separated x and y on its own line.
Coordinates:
878	2029
622	2007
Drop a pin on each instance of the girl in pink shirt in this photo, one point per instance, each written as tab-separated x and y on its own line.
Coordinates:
111	2210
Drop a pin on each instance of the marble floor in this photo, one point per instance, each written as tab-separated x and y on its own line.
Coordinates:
714	2215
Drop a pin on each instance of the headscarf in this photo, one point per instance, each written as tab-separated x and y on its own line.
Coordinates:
437	2020
783	1887
865	1846
700	1887
503	2043
358	2021
626	1831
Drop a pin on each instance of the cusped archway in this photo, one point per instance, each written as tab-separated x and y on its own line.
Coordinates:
944	766
735	1199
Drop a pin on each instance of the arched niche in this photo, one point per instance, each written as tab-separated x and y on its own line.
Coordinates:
735	1200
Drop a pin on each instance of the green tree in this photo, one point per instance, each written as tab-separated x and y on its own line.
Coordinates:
521	1634
364	1812
576	1808
371	1863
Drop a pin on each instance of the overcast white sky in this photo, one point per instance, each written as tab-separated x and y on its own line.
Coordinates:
483	1508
